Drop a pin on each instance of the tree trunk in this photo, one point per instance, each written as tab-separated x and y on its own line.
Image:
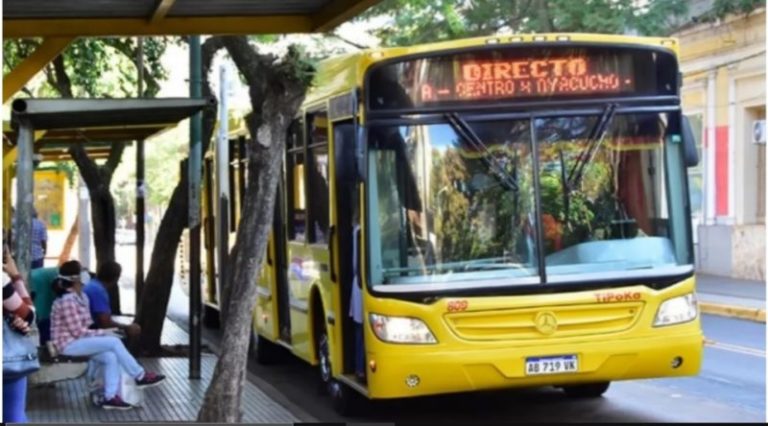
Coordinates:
70	241
97	179
157	286
276	93
159	281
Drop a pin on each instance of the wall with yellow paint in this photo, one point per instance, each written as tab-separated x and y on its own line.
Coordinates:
56	200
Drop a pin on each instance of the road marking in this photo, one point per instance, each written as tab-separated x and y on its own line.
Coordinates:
735	348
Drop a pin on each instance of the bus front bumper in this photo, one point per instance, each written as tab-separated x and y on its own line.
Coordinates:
408	373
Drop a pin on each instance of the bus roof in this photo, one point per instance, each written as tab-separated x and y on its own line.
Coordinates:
340	74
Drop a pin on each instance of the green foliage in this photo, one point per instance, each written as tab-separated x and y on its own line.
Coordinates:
722	8
94	67
421	21
107	67
16	50
296	64
264	38
161	164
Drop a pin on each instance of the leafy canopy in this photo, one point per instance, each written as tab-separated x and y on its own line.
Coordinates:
423	21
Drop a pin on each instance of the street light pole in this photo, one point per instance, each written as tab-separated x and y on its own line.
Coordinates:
194	164
140	191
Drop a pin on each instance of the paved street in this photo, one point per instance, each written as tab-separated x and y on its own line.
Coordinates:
730	388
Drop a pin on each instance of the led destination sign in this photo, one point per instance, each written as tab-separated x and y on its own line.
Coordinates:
507	79
513	74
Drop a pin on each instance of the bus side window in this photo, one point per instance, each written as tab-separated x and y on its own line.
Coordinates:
295	189
317	177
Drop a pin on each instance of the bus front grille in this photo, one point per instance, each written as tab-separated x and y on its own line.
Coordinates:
544	322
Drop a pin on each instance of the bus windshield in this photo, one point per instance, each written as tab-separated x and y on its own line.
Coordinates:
455	201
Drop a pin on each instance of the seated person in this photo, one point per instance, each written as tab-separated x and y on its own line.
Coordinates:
19	312
42	294
72	335
98	295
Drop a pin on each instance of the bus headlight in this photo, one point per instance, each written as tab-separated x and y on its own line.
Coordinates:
676	310
401	330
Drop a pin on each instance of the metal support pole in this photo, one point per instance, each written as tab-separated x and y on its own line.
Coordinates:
222	178
194	170
140	190
22	238
84	225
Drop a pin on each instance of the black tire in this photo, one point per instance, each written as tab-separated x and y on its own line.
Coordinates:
323	353
264	351
346	401
591	390
211	317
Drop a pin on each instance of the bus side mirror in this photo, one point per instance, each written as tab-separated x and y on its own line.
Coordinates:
689	144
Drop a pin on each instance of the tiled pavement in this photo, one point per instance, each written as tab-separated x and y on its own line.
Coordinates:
178	399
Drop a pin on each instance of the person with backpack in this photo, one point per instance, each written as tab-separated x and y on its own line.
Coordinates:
19	315
72	335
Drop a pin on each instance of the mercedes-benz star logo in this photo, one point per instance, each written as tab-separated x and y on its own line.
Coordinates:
546	323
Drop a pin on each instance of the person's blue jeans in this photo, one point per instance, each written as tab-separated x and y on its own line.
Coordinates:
15	400
359	350
110	352
37	263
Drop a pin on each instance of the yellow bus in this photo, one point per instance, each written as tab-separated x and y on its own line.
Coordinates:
523	218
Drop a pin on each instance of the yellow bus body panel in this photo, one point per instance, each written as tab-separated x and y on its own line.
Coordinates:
609	346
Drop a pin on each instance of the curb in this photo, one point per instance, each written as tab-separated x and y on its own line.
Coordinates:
732	311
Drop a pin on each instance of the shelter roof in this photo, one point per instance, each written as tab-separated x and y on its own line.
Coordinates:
97	123
59	18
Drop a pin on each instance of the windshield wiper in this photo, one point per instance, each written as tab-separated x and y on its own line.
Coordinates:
463	129
573	179
593	143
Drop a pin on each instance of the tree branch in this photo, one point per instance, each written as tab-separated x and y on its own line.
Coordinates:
115	155
63	83
253	66
349	42
88	168
209	49
125	47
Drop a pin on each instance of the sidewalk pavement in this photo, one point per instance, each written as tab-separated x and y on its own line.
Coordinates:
731	297
178	399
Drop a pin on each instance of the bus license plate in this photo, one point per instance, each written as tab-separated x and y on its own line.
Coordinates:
551	365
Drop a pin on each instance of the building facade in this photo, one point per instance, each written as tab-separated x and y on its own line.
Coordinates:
723	66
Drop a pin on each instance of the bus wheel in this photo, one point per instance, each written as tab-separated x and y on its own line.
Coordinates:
591	390
324	355
211	317
346	401
263	350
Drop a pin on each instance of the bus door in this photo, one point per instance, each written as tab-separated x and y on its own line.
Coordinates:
308	255
208	265
280	270
347	205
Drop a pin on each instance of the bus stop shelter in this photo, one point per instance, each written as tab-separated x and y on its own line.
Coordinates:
67	121
58	23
